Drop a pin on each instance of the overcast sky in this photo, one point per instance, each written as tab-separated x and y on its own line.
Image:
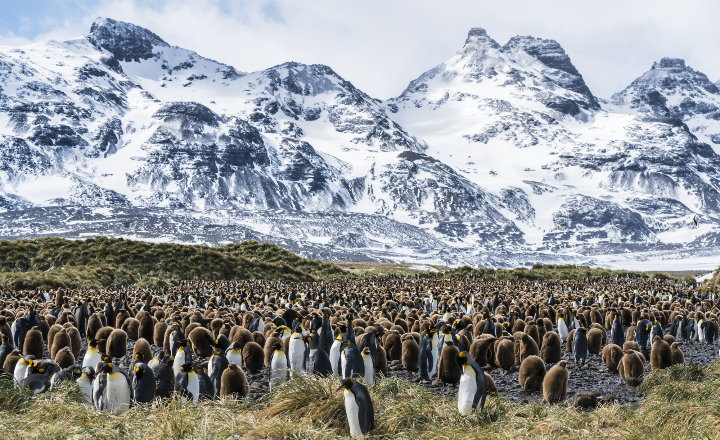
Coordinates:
381	45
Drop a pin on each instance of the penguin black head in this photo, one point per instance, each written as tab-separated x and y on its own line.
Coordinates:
140	369
236	345
307	339
95	342
139	357
188	367
76	371
462	358
346	384
89	372
105	367
278	346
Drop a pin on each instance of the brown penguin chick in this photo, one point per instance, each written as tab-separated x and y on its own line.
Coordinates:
166	338
5	327
158	337
59	299
551	351
631	368
94	324
532	331
233	382
603	334
631	345
116	344
410	353
555	383
120	318
75	340
382	366
146	326
528	347
393	345
517	338
594	338
611	355
34	344
192	326
670	339
505	353
52	332
241	335
518	326
11	360
490	385
64	358
481	348
532	373
587	399
130	327
259	338
630	335
60	341
449	369
661	354
269	348
203	342
102	335
678	358
142	346
253	357
569	343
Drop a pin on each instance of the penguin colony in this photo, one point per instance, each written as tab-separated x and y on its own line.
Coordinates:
213	334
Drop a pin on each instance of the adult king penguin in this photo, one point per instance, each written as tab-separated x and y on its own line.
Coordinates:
111	389
358	407
279	369
473	389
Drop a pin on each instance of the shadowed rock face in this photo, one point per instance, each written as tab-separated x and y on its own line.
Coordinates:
126	41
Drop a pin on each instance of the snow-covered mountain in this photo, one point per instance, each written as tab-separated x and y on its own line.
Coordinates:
501	155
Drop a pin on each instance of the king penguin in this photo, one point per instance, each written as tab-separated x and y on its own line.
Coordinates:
617	336
473	389
233	354
279	370
85	382
217	365
186	383
298	351
352	362
358	407
369	368
580	345
92	355
426	356
143	383
334	355
318	361
111	389
562	329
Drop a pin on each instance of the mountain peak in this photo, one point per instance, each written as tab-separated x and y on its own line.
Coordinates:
478	35
670	63
128	42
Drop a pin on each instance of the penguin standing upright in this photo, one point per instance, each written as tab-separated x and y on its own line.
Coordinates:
326	334
562	329
85	382
111	389
318	360
642	334
617	336
233	354
369	340
181	356
164	378
352	362
358	407
426	359
298	352
279	369
142	383
81	317
473	389
580	345
5	348
334	355
92	354
216	366
186	383
369	368
205	385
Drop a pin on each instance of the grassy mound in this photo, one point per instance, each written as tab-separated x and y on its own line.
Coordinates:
103	262
681	402
550	272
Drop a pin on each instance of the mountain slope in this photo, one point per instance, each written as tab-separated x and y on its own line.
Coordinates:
502	155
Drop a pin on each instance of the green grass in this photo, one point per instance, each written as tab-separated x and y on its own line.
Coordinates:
103	262
680	402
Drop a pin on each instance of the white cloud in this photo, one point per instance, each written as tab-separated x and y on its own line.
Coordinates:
381	46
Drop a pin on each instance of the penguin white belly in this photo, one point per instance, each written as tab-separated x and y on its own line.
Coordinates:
20	372
297	355
466	393
369	370
261	326
278	369
335	357
235	356
12	330
154	362
562	331
179	361
352	410
193	385
117	393
86	387
92	357
343	363
435	361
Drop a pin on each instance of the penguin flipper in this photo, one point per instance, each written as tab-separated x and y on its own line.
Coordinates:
366	414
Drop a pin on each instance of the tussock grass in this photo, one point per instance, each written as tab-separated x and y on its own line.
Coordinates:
680	402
